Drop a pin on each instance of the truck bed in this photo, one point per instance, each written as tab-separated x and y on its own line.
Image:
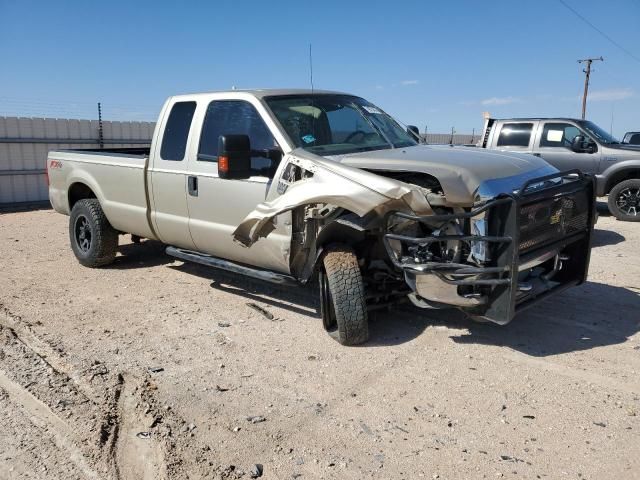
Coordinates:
116	177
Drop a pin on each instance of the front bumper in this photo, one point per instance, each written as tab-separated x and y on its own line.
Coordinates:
539	241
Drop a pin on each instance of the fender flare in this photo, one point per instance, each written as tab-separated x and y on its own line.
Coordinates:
84	178
606	180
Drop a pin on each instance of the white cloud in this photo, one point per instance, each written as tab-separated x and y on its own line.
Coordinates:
379	87
409	82
500	101
610	95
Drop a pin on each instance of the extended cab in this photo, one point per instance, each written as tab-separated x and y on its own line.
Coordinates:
290	185
568	143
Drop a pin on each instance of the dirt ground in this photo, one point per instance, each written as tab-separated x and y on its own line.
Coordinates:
152	368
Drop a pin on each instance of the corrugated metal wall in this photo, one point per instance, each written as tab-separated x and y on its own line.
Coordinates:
24	143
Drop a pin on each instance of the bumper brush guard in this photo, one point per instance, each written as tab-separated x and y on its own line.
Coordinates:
550	213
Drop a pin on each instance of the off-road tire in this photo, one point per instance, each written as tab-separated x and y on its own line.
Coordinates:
342	302
633	186
87	216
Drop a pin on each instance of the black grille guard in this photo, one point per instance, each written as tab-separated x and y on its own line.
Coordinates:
501	274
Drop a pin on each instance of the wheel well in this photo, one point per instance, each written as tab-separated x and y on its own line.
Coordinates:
79	191
618	177
348	229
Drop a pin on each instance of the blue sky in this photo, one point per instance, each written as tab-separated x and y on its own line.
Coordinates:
439	64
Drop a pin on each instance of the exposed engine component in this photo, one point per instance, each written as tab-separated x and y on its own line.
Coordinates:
447	251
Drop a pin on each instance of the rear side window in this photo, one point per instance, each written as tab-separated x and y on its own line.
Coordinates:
176	132
515	135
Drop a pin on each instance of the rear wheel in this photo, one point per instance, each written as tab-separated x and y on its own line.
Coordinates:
93	240
342	301
624	200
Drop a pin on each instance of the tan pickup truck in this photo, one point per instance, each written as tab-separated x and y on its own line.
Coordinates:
290	185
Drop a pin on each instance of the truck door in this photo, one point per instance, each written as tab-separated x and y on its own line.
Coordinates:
515	136
553	143
217	206
168	186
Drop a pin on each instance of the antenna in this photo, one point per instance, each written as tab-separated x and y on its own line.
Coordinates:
311	67
313	117
611	128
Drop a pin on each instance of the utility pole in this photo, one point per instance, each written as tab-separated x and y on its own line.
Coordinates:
587	72
100	136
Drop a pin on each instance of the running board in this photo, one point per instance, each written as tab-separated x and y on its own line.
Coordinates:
208	260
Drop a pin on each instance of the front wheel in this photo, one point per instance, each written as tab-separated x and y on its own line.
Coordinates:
93	240
624	200
342	300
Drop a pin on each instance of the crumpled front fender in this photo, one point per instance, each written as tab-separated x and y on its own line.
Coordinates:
331	183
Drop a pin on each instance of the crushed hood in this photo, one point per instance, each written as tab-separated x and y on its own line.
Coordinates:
460	170
330	182
346	181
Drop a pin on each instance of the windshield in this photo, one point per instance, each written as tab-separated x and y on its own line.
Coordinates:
337	124
596	131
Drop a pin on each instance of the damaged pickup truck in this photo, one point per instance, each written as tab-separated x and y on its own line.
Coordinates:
291	185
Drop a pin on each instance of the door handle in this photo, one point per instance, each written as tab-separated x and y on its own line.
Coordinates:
537	155
192	185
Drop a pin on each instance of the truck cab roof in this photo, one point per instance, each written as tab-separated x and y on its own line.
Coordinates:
261	93
521	119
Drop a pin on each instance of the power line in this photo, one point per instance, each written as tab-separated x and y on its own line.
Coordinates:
599	31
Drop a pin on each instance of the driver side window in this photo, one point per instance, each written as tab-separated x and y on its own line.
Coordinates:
559	135
233	117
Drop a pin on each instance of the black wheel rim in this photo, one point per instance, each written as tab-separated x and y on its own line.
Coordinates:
82	231
326	304
628	201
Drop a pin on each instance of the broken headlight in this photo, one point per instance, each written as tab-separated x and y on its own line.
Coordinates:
480	249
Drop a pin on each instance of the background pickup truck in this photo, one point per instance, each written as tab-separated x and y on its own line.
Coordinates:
631	138
568	143
292	185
